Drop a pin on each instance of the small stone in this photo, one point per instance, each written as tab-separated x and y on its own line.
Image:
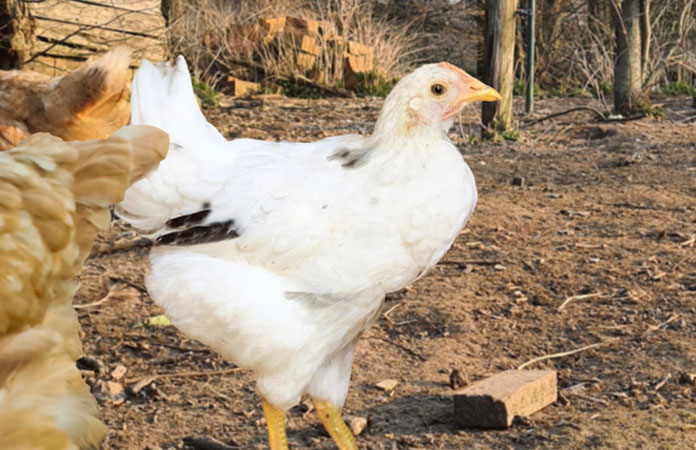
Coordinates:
687	378
387	385
457	380
499	267
87	362
112	388
118	372
357	424
518	181
495	401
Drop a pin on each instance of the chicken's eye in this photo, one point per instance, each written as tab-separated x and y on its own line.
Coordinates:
438	89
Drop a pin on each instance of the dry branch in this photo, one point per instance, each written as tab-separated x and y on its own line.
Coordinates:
578	297
596	112
562	354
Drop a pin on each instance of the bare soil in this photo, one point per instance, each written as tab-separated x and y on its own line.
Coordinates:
599	217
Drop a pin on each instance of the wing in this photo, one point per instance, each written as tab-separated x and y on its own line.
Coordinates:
291	208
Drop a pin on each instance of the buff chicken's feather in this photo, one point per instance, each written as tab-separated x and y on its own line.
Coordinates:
89	103
54	198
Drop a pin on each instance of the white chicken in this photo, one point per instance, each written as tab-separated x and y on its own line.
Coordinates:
278	255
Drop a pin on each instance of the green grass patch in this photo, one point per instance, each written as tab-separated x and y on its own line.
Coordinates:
207	95
519	87
299	89
676	88
373	84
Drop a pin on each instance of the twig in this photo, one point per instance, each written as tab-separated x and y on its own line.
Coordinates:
562	354
688	242
185	374
386	314
120	245
659	385
652	328
568	111
578	297
111	295
473	262
402	347
129	283
207	443
643	207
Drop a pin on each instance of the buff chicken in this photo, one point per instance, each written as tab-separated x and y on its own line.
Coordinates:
54	198
89	103
278	255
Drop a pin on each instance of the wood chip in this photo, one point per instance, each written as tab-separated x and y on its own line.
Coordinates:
140	385
497	400
118	372
357	424
387	385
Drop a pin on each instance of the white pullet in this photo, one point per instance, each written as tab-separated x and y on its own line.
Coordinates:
278	255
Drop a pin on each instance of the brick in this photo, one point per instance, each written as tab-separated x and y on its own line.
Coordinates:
240	87
495	401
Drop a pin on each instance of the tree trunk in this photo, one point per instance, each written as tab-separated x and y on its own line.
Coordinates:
645	38
627	66
499	62
16	33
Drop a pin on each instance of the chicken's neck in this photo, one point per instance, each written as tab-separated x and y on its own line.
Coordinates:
399	134
400	125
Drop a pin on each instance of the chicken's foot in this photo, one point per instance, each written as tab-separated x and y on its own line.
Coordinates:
275	421
330	416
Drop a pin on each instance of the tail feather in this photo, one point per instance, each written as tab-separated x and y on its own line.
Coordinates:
92	102
163	96
105	169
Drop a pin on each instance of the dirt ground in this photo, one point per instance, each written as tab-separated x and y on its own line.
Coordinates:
597	218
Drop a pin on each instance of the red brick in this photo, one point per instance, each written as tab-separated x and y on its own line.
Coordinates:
495	401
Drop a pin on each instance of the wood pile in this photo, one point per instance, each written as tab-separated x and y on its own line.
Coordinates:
67	32
318	48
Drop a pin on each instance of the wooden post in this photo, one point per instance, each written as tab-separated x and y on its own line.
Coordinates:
531	30
172	10
16	33
499	50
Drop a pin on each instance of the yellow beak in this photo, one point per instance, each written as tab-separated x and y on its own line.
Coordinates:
474	91
479	92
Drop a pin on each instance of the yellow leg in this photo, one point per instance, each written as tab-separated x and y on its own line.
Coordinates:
330	416
275	421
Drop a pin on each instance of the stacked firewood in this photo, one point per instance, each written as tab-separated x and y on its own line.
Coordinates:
319	53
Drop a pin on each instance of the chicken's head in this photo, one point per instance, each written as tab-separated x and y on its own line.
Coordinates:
430	97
